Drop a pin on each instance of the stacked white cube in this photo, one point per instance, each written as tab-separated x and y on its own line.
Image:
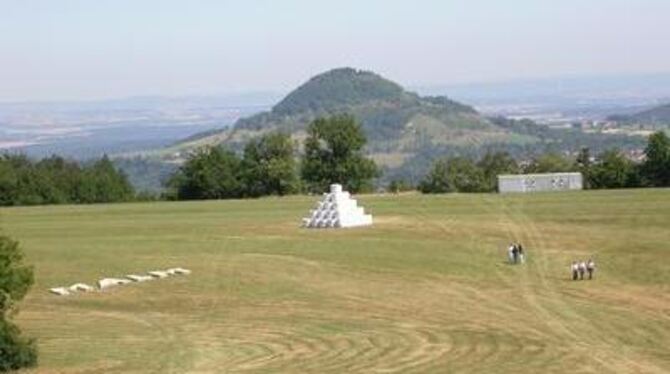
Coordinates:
337	209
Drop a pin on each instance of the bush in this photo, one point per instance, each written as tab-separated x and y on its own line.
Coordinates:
16	352
15	280
456	174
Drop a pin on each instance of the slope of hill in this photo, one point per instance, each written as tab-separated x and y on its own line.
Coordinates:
398	123
656	115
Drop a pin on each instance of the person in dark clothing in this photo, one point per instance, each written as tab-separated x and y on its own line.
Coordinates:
515	253
590	267
522	255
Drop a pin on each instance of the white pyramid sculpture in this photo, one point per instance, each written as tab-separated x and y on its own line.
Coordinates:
337	209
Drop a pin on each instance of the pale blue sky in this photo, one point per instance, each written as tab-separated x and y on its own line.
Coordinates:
66	49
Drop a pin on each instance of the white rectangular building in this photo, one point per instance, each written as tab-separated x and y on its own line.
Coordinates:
540	182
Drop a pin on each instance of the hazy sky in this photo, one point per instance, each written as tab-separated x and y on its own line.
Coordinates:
61	49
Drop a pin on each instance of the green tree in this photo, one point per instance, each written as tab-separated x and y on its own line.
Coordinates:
103	183
57	181
8	182
613	170
494	164
269	166
333	154
549	163
399	185
656	168
210	173
583	165
457	174
15	280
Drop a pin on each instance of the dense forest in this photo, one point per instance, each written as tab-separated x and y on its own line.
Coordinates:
55	180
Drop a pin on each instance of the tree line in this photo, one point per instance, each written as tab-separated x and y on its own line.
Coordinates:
55	180
333	153
609	169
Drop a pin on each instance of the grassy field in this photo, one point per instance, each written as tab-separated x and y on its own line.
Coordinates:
426	289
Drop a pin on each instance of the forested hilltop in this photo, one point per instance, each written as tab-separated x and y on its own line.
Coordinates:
405	131
395	121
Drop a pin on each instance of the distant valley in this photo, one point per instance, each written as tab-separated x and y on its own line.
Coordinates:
83	130
150	136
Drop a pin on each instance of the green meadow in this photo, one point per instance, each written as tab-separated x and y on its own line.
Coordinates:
426	289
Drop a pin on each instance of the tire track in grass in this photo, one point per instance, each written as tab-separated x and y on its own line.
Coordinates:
592	342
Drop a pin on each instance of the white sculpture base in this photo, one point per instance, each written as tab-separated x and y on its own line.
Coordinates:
337	210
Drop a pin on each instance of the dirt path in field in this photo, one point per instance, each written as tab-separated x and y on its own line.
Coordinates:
543	295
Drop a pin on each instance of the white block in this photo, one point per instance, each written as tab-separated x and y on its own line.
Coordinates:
158	274
111	282
178	271
60	291
81	287
139	278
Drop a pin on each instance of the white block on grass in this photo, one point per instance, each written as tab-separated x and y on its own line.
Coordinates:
159	274
178	271
111	282
60	291
81	287
139	278
337	209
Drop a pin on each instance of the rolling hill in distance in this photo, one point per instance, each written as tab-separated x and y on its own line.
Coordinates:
405	131
150	136
658	115
398	123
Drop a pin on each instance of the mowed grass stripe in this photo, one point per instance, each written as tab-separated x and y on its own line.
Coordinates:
426	289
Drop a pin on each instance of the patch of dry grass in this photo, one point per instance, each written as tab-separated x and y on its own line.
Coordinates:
426	289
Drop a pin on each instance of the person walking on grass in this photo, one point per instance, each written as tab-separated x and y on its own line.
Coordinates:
510	253
522	256
582	270
515	253
590	267
575	270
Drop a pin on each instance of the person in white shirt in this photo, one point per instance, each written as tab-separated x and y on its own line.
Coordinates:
582	270
590	267
575	270
510	253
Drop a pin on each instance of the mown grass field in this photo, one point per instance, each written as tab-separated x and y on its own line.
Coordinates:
426	289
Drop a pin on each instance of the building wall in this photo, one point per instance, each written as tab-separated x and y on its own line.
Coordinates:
539	182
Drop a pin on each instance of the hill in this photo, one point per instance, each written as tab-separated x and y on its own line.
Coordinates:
659	115
397	123
405	131
424	290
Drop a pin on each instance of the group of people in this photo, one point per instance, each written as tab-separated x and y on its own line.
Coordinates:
516	254
580	268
